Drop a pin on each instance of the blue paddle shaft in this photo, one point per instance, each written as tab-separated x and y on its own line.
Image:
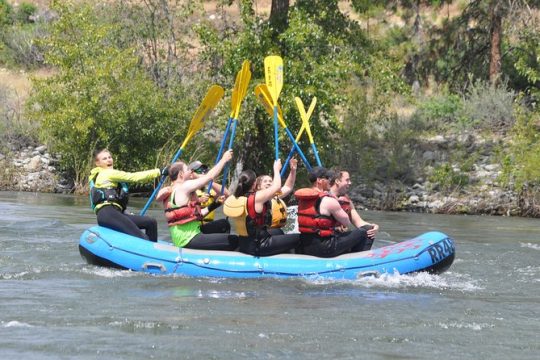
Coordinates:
276	141
226	170
314	147
160	184
286	165
300	152
220	152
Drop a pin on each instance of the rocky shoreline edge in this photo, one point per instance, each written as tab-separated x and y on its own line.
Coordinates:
34	169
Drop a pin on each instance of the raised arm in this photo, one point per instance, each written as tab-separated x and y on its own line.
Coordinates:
289	183
266	194
192	185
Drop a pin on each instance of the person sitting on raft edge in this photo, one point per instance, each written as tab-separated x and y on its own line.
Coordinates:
184	214
319	217
278	206
339	187
109	197
250	211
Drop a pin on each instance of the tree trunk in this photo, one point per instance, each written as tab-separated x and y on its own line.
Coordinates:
495	33
279	14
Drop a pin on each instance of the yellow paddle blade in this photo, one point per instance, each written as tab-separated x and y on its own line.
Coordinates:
210	101
262	94
234	95
245	77
305	117
273	74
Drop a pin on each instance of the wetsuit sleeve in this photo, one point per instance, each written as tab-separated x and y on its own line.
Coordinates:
140	176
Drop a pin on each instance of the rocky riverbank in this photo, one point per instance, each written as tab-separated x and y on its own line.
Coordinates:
33	168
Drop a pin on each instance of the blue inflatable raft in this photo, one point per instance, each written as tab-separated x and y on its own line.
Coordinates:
432	252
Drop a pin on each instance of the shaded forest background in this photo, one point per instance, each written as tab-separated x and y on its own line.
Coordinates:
129	74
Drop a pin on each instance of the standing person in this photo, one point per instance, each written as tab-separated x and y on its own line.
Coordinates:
319	217
278	206
184	214
250	210
109	197
207	199
339	187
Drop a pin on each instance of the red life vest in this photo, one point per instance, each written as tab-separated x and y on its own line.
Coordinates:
346	204
177	215
310	220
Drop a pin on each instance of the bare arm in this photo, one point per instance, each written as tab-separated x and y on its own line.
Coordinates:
192	185
163	193
330	206
289	183
266	194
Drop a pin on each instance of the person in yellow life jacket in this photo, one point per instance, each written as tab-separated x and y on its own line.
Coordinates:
207	199
250	211
339	187
184	214
278	206
319	218
109	197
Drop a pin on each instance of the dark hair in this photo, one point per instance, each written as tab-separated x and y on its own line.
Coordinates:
99	151
335	176
176	169
245	182
318	172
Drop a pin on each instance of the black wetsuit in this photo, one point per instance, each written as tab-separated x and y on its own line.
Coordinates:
214	236
338	244
112	217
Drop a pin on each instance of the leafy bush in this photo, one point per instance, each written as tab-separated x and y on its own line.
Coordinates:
447	178
24	12
439	111
20	45
6	13
488	107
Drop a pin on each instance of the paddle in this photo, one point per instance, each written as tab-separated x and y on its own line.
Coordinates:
273	73
305	126
210	101
245	77
262	94
305	121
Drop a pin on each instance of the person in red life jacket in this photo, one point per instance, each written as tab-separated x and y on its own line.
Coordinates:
109	197
251	212
184	213
278	206
339	187
320	217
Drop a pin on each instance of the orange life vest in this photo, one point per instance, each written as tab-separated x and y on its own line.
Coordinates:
177	215
310	220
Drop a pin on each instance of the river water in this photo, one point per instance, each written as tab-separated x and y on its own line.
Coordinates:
54	306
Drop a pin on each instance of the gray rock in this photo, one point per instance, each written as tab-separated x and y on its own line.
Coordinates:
34	163
41	148
428	156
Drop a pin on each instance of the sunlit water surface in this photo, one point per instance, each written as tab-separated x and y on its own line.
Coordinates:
54	306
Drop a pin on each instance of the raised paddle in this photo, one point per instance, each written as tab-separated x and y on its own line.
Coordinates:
273	74
245	77
262	94
210	101
305	126
305	121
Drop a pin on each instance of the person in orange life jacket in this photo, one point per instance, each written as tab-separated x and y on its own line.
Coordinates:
109	197
206	199
339	187
319	216
183	212
279	208
252	226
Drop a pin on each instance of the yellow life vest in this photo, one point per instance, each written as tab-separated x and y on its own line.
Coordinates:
279	213
211	199
236	209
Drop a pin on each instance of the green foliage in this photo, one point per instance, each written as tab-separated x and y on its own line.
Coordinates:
521	164
488	107
6	13
20	49
440	111
24	12
528	59
99	97
447	178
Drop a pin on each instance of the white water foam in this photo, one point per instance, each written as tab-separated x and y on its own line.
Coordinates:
530	246
109	273
15	324
447	281
472	326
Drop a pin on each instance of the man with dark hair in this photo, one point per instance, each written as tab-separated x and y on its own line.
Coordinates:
339	187
319	218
